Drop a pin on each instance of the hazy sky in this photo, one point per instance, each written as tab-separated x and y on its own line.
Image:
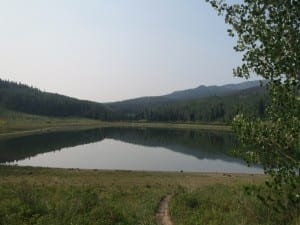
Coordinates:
107	50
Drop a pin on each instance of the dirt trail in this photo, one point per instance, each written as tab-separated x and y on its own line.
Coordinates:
162	215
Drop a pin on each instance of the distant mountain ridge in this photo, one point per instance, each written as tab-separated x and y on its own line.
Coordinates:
204	103
206	91
131	105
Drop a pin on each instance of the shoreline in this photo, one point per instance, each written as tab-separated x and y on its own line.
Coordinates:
118	171
12	132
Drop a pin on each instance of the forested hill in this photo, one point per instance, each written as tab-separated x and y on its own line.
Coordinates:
252	101
132	107
20	97
202	104
208	91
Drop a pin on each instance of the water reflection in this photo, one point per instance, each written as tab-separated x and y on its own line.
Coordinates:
127	148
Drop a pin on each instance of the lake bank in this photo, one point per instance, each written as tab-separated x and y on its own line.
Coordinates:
23	128
74	176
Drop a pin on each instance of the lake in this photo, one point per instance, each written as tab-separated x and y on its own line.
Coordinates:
128	149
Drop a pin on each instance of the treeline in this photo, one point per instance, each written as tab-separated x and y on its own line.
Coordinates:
20	97
211	109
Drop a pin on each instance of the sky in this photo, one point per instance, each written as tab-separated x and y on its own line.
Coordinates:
111	50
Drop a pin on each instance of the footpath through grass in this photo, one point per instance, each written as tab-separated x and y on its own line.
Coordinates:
69	196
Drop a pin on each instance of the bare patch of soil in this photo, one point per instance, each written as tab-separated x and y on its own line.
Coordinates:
162	215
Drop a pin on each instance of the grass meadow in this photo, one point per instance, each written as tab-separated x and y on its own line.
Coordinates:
70	196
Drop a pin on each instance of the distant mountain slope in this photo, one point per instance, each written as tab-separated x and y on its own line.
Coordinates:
139	104
207	91
22	98
252	101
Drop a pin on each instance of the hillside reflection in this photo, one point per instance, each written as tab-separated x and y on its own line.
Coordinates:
200	144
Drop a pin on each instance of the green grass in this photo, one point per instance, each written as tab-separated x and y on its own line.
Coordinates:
34	204
42	196
226	205
68	196
11	121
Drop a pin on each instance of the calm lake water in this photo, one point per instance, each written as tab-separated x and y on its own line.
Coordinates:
127	149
